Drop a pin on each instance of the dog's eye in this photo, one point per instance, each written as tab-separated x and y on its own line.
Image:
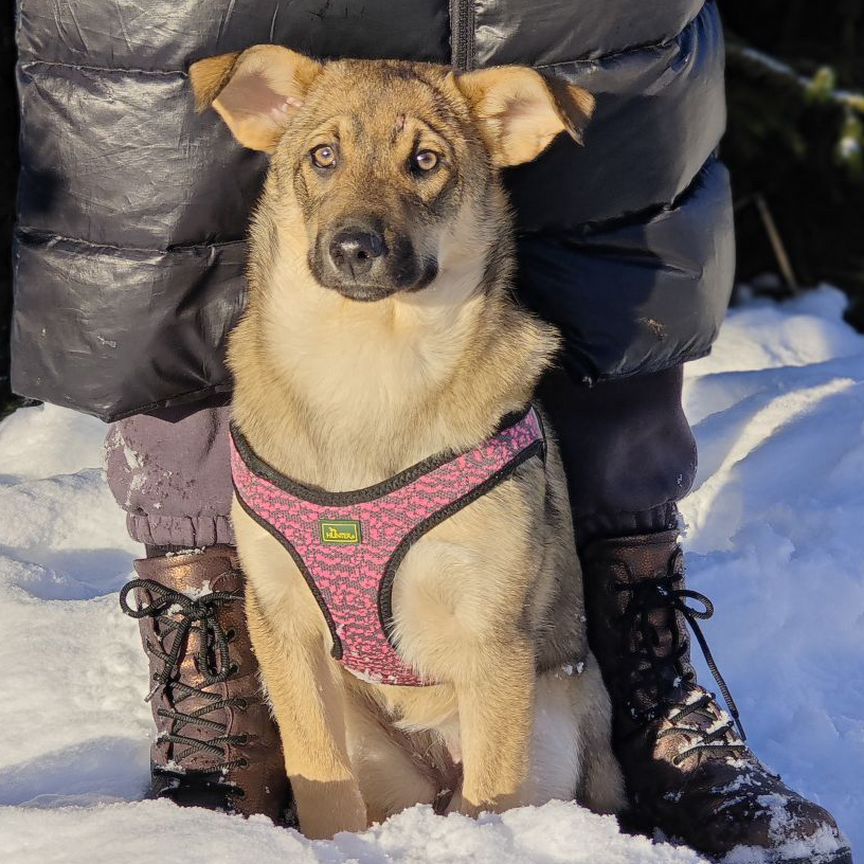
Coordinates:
426	160
324	156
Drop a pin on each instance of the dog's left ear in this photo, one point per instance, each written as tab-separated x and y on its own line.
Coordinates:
520	111
256	92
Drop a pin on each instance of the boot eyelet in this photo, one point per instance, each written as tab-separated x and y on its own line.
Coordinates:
243	763
242	704
233	669
231	634
242	739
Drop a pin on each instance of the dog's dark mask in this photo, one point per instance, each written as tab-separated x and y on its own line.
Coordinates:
364	259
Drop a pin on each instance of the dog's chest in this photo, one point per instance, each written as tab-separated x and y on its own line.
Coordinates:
463	585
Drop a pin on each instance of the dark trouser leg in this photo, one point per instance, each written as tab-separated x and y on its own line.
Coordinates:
628	449
630	456
169	471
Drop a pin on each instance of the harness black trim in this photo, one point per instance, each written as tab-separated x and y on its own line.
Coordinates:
317	495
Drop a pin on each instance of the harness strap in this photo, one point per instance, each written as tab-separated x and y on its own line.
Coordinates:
349	545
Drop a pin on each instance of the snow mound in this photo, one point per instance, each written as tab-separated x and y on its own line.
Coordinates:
106	834
774	537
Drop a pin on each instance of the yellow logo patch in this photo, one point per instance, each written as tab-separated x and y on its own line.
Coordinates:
340	531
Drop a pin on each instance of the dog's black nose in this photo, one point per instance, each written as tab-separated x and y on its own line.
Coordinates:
353	251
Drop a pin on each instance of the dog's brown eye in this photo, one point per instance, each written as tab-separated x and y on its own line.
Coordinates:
426	160
324	156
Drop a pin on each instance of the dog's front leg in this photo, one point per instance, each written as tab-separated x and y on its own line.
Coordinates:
496	712
307	702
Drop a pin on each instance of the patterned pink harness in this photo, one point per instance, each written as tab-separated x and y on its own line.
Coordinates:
349	545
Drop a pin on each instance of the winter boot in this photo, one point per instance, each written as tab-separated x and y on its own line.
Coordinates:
217	745
688	772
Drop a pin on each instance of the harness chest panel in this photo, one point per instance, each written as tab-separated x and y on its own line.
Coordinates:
348	545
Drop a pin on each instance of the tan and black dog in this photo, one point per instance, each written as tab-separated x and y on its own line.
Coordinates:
381	330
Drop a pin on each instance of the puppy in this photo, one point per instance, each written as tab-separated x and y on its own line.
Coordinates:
414	594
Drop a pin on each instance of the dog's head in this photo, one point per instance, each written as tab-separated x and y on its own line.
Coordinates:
381	157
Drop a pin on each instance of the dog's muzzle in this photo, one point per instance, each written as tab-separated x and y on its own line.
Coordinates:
367	262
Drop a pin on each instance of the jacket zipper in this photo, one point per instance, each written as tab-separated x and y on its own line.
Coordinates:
462	34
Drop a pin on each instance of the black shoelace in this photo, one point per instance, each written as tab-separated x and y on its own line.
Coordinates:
179	614
650	668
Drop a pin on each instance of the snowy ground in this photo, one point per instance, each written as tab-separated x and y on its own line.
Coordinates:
775	534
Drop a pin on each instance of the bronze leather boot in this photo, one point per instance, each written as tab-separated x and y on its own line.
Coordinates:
217	745
689	774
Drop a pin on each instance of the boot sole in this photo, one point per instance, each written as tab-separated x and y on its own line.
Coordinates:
842	856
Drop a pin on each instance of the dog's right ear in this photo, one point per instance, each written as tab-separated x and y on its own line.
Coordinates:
256	92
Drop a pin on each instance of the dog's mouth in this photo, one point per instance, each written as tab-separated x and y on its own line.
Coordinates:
362	293
366	263
366	293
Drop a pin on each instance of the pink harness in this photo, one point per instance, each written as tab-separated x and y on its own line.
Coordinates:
349	545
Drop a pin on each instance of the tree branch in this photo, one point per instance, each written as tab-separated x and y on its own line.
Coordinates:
771	65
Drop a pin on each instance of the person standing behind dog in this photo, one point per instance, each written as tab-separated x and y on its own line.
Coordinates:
129	259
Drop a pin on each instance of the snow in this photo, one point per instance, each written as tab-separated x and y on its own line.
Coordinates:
775	535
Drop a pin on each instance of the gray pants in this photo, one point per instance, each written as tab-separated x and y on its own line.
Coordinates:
627	447
169	471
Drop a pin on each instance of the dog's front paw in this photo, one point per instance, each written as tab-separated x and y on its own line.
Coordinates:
326	809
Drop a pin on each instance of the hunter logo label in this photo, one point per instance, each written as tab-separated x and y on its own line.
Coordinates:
340	531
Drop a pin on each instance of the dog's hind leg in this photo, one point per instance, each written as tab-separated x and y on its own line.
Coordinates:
601	786
556	746
392	767
571	753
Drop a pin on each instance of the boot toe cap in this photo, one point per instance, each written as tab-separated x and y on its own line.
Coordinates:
778	827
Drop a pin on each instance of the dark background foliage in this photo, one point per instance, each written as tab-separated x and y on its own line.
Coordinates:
795	147
8	183
795	140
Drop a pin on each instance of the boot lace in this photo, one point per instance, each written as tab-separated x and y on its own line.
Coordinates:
665	673
178	614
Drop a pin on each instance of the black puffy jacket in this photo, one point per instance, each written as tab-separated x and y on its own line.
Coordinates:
129	248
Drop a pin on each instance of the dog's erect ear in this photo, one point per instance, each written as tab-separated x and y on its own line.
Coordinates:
520	111
256	92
